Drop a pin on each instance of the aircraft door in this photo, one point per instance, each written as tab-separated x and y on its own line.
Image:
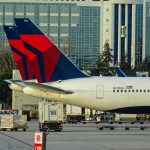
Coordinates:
99	92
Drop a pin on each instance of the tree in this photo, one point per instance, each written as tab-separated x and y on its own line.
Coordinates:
124	64
66	46
5	91
104	62
7	64
143	66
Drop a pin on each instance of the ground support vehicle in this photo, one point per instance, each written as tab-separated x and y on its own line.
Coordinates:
90	121
50	116
13	122
126	126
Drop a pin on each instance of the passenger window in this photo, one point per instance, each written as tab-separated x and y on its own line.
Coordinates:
132	90
117	90
113	90
140	90
147	90
121	90
144	90
128	90
125	90
136	90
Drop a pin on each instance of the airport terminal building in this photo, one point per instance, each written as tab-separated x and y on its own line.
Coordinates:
82	27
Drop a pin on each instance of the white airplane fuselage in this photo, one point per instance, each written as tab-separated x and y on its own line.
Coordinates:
101	93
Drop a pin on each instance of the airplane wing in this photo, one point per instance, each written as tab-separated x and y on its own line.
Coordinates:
38	86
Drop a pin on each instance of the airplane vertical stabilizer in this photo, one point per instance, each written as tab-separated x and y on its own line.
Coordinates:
53	63
27	61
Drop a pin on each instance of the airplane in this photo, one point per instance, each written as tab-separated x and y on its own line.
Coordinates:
59	79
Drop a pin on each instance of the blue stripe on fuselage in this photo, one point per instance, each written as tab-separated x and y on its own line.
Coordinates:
132	110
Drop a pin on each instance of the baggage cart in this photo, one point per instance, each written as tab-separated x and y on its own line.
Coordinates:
13	122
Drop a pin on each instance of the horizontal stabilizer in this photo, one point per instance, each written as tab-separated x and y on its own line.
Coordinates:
16	85
47	88
42	87
19	82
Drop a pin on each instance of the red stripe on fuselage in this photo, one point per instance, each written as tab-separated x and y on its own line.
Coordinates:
19	62
31	59
50	52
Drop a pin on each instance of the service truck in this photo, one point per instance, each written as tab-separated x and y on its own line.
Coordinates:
50	116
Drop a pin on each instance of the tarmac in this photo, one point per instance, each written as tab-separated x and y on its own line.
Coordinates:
78	137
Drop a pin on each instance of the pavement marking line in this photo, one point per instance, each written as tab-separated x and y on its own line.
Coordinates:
16	139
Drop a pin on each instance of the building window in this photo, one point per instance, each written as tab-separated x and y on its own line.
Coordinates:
8	8
123	31
107	9
64	30
30	8
54	19
54	29
107	30
64	8
64	19
106	41
74	20
107	20
149	9
54	8
43	8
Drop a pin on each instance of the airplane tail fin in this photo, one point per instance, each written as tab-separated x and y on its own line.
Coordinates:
53	63
26	61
